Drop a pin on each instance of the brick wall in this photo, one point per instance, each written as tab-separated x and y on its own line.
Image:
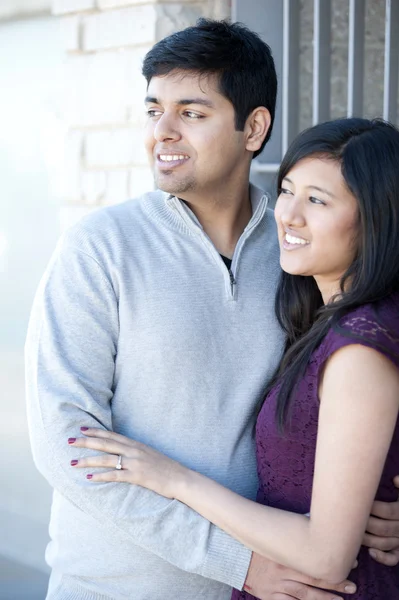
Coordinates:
105	42
17	9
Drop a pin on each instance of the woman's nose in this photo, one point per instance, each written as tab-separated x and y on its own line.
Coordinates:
290	212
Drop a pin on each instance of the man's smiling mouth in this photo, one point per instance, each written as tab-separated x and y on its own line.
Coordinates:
172	157
171	160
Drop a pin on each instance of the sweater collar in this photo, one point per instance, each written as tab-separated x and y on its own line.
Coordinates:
259	201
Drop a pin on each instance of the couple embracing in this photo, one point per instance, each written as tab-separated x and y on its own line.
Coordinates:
213	389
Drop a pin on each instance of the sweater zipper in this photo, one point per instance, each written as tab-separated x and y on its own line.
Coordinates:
256	218
240	244
232	282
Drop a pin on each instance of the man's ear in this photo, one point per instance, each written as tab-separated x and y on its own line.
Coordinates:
256	128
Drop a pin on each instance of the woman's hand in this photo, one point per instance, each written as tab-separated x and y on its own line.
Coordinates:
140	464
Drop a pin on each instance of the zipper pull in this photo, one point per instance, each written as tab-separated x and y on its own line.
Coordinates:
232	281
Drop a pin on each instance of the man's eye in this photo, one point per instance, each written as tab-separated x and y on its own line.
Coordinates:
192	115
152	112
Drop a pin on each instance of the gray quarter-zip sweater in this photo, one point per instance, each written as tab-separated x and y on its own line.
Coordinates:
138	326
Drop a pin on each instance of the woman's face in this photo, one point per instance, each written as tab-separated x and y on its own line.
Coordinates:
317	220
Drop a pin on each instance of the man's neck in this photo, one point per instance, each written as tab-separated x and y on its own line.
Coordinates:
224	219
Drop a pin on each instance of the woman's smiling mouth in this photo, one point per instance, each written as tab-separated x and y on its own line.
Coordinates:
291	242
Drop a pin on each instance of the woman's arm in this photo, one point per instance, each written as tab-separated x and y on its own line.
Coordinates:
358	413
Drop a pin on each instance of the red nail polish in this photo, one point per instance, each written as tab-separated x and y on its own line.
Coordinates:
74	463
84	429
89	476
71	440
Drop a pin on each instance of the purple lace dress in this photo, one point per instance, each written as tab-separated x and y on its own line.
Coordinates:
286	464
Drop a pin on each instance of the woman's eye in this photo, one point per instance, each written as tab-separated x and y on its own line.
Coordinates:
284	191
315	200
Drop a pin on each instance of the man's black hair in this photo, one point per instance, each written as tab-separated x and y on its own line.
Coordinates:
241	60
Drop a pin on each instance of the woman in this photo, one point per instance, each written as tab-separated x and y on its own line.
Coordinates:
327	435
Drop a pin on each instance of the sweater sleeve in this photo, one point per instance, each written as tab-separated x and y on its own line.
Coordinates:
71	348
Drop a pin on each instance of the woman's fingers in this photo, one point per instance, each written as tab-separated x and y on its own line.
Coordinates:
95	432
109	476
141	465
102	444
108	461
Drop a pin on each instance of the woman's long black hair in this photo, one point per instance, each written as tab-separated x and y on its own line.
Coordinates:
368	152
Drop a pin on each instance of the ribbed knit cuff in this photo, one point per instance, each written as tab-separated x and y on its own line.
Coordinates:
227	560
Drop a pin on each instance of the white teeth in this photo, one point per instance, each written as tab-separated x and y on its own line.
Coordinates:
170	157
294	240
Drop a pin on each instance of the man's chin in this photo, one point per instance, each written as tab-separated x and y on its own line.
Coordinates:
171	186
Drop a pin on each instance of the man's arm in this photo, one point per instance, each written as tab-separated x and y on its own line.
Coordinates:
70	360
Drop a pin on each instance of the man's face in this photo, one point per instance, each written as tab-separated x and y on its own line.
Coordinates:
191	139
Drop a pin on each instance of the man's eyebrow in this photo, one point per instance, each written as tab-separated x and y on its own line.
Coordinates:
183	101
203	101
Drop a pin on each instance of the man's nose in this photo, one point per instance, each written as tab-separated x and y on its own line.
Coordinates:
166	128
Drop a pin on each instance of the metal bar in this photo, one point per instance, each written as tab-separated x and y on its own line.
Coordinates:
266	18
234	10
290	74
391	60
356	57
321	60
259	167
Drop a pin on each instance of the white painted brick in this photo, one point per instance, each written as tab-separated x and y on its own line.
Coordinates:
14	9
93	186
115	148
73	146
74	80
117	186
116	28
101	88
61	7
70	29
219	9
121	3
137	94
172	17
70	214
141	180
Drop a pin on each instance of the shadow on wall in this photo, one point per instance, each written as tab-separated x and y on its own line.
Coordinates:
18	582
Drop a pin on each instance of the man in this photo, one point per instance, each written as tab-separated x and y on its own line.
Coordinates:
156	319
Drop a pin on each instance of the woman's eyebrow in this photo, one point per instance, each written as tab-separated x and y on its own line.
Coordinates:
312	187
320	189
